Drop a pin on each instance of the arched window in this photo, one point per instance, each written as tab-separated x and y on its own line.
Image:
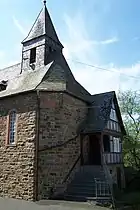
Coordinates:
12	127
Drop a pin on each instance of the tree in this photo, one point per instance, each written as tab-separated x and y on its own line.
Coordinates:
129	102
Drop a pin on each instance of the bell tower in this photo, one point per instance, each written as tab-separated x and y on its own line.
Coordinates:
41	41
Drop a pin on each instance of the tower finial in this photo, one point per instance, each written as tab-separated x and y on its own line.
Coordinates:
44	2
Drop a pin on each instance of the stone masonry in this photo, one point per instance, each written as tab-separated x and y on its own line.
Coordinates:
60	117
40	53
17	162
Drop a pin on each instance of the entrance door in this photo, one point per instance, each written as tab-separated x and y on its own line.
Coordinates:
94	151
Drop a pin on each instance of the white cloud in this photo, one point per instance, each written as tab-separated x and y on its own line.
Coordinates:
79	46
22	30
110	41
11	57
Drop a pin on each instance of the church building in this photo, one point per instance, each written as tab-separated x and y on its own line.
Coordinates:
53	133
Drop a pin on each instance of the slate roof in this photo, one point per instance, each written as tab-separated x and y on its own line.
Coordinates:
56	76
43	26
99	112
10	72
60	77
24	82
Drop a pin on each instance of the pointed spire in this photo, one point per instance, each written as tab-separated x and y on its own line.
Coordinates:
43	26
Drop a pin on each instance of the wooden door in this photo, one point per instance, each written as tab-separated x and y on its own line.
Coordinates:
94	151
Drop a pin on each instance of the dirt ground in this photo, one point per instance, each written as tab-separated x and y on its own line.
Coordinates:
12	204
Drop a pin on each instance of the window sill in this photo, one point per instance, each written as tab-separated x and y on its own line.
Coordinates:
11	145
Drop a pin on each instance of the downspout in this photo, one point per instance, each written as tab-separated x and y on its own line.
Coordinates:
102	148
21	61
37	142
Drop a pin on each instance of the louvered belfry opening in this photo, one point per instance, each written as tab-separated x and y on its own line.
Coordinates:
3	85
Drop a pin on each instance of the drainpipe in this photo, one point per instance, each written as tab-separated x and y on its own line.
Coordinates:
21	61
37	143
102	148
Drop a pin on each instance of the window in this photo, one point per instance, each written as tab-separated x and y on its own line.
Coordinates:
3	85
12	127
33	55
113	115
116	142
113	125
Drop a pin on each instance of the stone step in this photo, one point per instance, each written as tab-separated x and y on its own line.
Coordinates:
81	193
85	189
86	180
85	186
89	174
90	169
81	185
75	198
82	179
81	189
86	198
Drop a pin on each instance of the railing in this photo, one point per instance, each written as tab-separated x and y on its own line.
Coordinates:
71	170
59	190
102	189
110	158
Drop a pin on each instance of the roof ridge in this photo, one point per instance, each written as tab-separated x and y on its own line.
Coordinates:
10	66
33	25
113	91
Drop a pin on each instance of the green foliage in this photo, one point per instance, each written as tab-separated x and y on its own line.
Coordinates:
131	198
3	113
130	108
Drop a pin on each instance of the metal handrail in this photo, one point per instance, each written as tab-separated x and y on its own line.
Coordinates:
70	171
100	183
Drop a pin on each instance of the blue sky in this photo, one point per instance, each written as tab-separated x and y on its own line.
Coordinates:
102	33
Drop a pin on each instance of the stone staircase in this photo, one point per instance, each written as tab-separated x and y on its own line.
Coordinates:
89	183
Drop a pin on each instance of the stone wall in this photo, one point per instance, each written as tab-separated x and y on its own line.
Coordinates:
60	116
113	171
17	162
40	53
42	45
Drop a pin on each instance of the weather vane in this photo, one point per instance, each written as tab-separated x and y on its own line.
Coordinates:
44	2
